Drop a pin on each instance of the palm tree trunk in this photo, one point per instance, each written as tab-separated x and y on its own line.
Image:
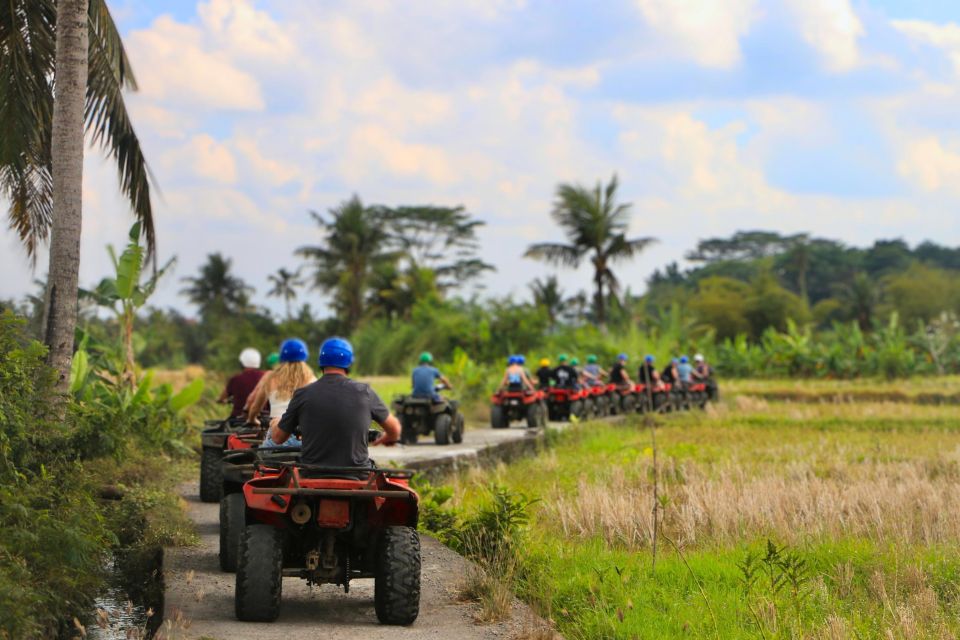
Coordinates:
601	303
70	83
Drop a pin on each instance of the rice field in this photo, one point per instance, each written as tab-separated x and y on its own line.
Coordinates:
775	520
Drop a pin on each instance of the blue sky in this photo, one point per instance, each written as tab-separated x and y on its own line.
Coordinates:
834	117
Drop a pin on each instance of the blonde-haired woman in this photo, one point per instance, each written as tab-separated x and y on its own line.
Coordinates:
278	386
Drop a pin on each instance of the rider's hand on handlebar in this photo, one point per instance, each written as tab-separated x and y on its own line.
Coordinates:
383	440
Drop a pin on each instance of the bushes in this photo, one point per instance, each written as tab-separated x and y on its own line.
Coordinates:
56	534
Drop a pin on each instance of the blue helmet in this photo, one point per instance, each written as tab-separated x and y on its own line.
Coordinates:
684	360
336	352
293	350
622	356
649	359
511	360
521	360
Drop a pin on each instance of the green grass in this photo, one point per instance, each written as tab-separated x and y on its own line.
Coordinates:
861	495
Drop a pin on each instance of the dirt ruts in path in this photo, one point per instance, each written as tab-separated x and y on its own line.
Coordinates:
199	599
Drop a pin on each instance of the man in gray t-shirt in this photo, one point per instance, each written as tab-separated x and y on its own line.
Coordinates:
334	413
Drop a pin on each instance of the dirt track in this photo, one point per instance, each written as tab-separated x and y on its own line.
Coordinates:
199	597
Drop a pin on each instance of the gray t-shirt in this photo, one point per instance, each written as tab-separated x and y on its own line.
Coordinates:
334	414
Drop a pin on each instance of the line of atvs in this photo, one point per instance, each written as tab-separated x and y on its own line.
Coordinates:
326	525
586	402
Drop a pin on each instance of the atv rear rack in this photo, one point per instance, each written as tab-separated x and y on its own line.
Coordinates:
335	493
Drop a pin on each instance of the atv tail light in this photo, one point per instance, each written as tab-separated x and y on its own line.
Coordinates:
301	513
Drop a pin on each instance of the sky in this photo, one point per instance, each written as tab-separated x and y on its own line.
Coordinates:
833	117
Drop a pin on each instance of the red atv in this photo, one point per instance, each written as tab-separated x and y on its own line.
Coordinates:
214	441
564	402
330	525
623	400
509	406
239	465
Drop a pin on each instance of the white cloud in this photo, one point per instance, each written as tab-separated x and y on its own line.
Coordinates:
176	68
201	157
931	166
708	31
943	36
832	28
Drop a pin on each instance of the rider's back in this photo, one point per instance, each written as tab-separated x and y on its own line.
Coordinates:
334	414
424	377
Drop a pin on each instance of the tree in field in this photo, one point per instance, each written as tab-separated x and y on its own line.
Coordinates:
860	298
285	284
596	225
355	242
443	239
798	263
548	295
62	69
216	291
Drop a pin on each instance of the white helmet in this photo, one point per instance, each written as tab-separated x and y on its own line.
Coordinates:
698	357
250	358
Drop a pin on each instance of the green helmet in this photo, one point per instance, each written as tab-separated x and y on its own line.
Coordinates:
575	361
592	359
426	357
562	357
273	359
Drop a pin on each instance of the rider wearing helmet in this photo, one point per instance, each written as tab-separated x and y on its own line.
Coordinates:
424	379
684	370
670	374
515	377
279	385
334	413
593	373
565	376
703	371
273	360
647	373
240	386
618	372
544	373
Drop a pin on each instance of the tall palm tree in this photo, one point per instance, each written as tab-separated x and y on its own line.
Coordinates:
216	291
66	172
596	227
354	244
54	82
548	295
285	285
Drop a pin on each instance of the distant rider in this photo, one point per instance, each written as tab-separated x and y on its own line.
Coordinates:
564	375
593	373
685	371
544	373
618	372
240	386
334	414
279	385
424	379
705	373
515	377
647	373
669	374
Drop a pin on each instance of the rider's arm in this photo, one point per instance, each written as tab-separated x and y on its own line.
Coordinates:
442	378
391	431
527	382
225	394
257	399
503	381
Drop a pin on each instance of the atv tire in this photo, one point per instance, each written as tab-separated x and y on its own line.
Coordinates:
629	405
211	474
498	418
458	425
408	431
233	509
396	596
259	574
576	409
533	415
441	428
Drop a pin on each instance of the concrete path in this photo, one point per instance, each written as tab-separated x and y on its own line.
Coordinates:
199	597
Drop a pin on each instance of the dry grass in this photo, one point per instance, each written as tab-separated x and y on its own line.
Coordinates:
914	502
493	592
